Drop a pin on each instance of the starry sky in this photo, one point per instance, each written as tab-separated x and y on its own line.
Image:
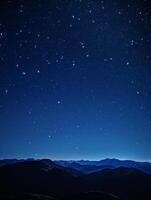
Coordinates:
75	79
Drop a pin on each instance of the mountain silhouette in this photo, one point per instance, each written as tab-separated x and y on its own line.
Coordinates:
86	169
86	166
127	183
50	180
42	176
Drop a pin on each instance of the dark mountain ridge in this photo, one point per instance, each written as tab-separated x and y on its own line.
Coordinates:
82	165
47	178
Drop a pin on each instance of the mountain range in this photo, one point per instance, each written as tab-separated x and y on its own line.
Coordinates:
108	179
87	166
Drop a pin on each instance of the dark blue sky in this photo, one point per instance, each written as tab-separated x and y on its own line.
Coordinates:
75	79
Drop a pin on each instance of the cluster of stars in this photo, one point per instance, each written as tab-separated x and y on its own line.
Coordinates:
74	66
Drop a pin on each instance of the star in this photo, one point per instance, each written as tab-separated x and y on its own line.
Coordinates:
73	63
77	126
23	73
6	91
38	35
132	42
61	57
48	37
58	102
48	62
82	74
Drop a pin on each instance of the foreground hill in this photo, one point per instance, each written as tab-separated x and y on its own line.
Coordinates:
128	183
92	196
43	176
26	197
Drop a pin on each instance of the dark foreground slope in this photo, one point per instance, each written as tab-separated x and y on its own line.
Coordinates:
81	196
36	177
43	177
128	183
26	197
92	196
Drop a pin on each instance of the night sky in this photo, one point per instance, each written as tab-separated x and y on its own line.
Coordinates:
75	79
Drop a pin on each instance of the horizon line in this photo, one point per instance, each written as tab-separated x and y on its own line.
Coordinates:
74	159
